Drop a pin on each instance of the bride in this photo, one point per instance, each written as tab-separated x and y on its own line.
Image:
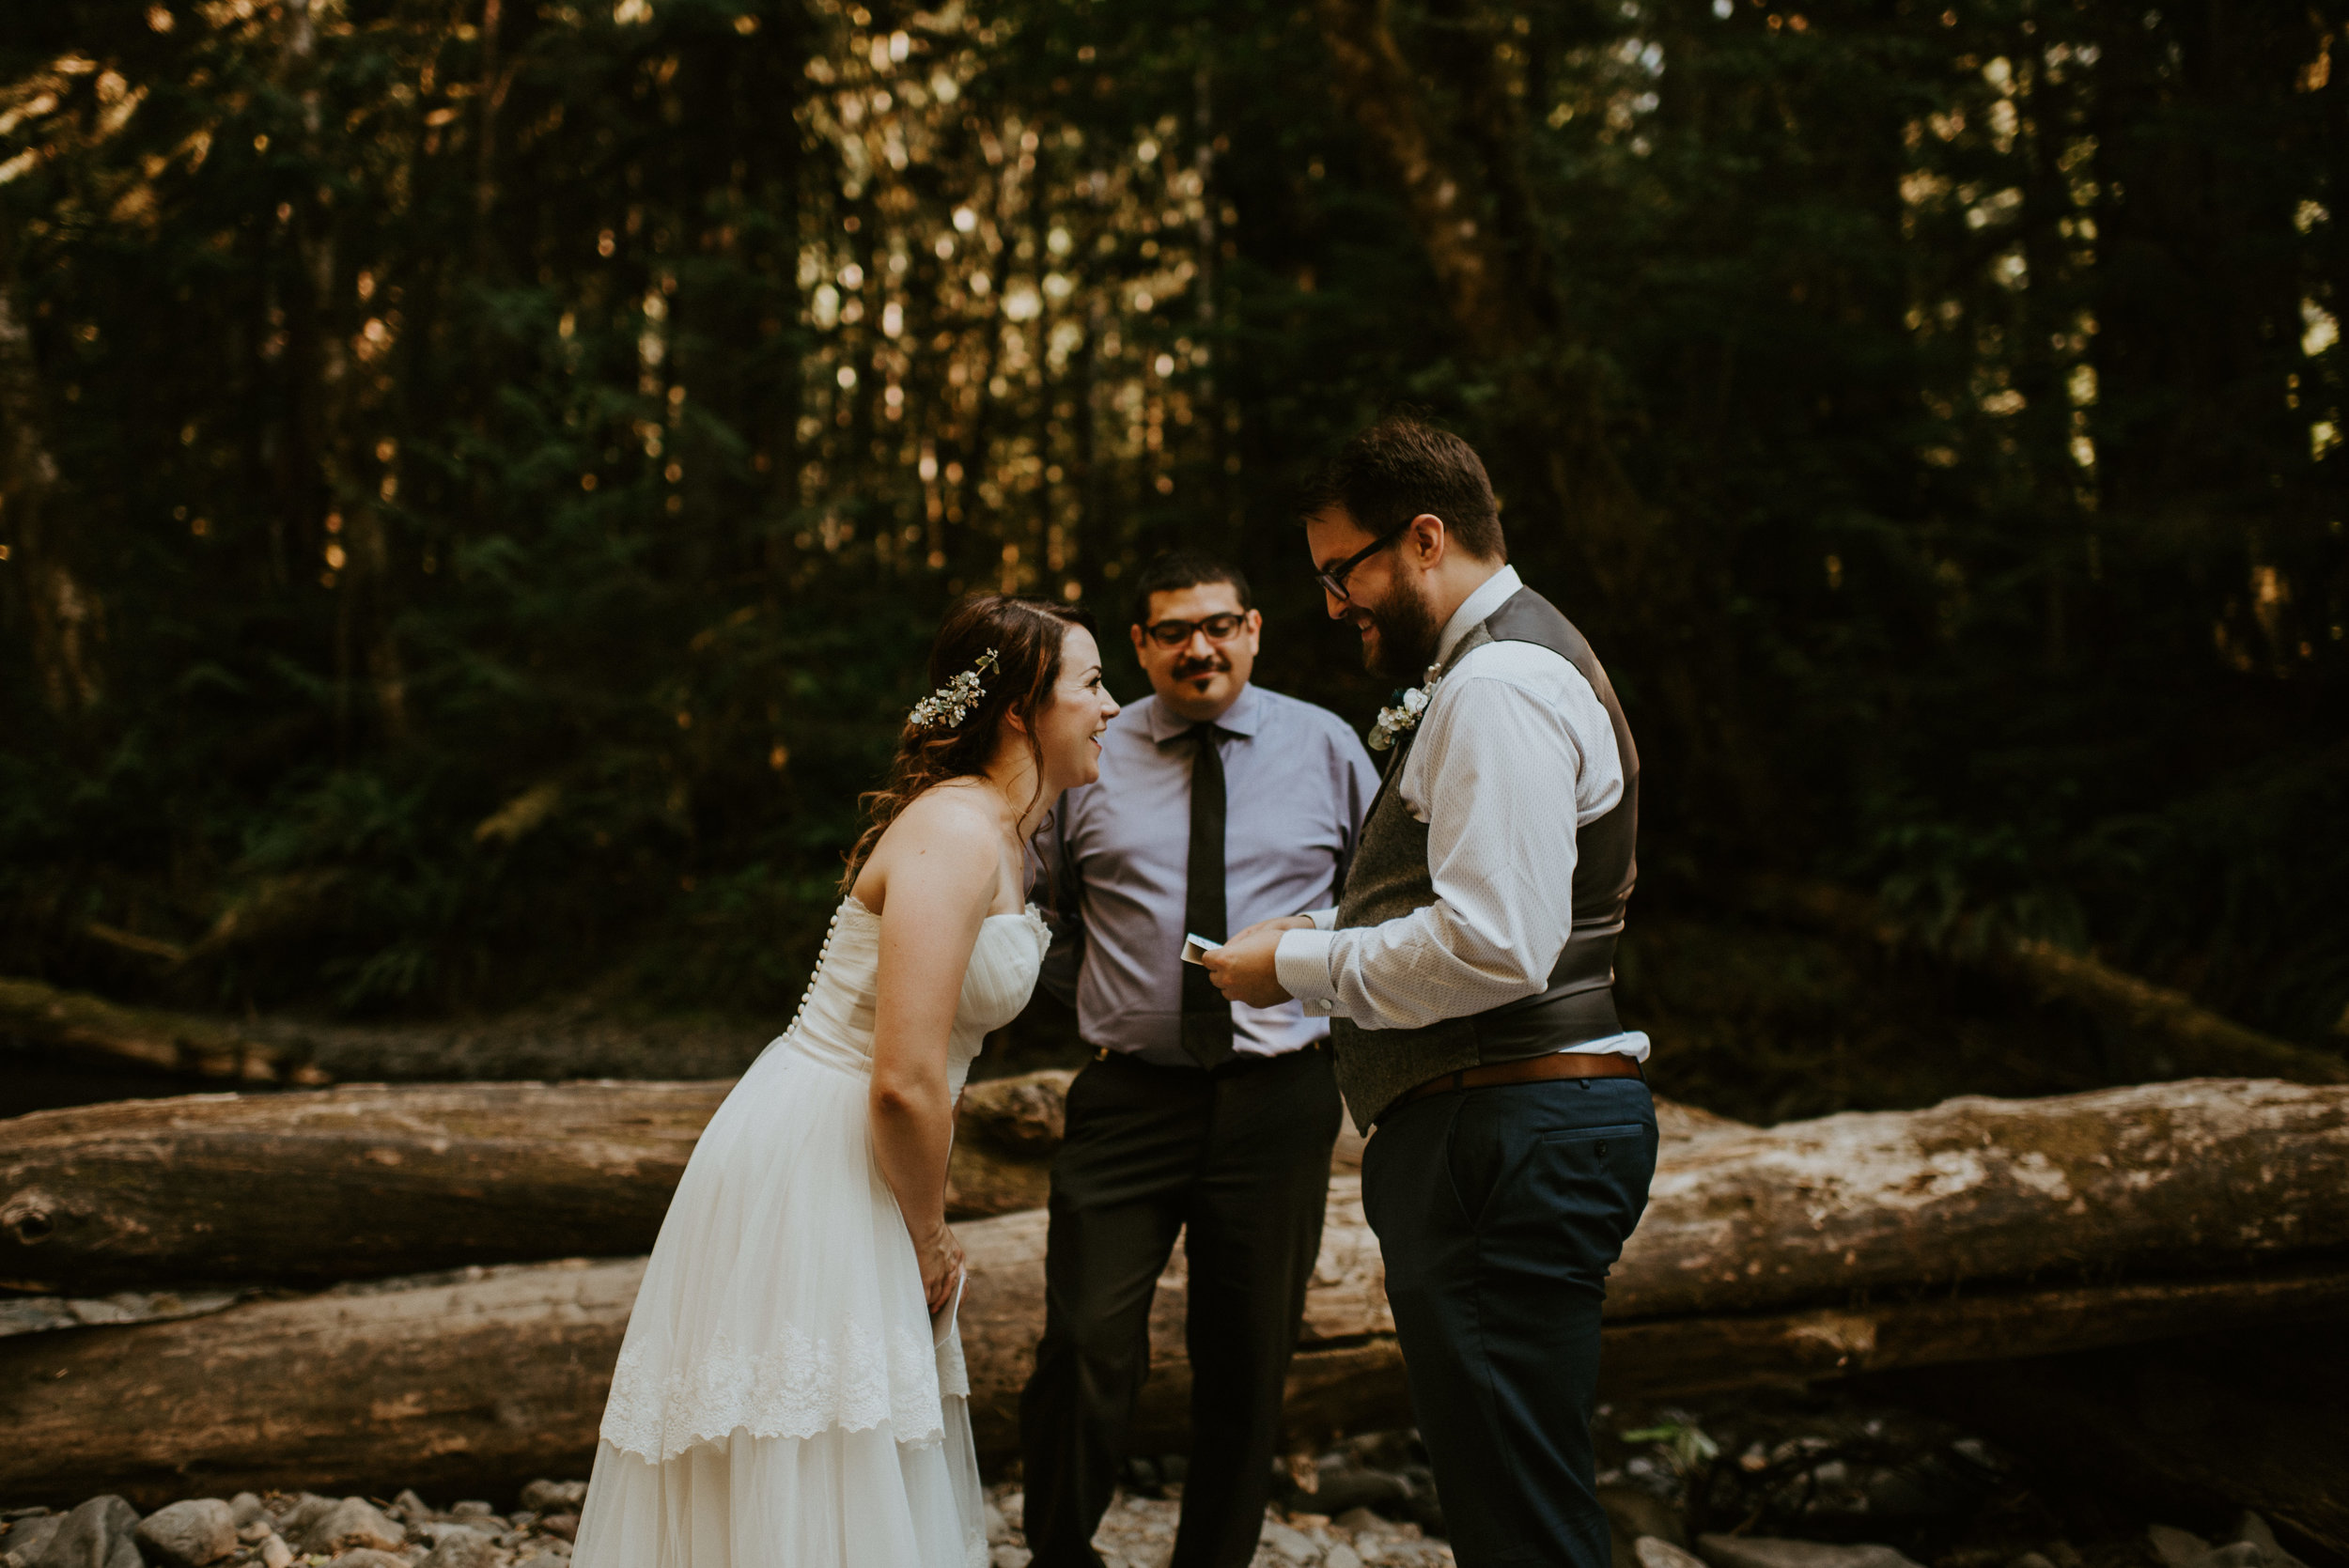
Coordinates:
791	1389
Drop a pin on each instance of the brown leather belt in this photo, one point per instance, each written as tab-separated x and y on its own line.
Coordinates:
1533	1069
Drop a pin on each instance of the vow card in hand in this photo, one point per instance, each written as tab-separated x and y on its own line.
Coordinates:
1195	949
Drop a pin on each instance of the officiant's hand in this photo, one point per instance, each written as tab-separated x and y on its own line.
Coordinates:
1242	967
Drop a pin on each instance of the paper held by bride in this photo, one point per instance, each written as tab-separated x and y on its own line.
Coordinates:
1975	1230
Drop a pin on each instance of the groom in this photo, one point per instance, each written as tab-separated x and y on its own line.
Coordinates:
1469	967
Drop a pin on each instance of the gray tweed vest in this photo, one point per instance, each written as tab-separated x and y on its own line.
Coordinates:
1389	878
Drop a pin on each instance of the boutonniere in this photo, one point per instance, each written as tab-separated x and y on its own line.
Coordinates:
1404	716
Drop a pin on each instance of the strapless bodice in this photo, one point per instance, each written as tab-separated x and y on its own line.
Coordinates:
835	1018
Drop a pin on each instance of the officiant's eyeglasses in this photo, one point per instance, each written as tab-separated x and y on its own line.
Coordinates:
1334	578
1174	634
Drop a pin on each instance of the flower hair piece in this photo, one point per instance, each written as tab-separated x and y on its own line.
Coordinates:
947	706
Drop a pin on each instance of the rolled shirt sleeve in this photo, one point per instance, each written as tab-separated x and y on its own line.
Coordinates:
1504	872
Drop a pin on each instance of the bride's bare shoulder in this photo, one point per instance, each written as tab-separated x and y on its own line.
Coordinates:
948	839
963	810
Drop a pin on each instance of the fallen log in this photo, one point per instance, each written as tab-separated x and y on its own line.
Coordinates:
2199	1178
2194	1179
368	1180
339	1184
199	1046
568	1041
491	1377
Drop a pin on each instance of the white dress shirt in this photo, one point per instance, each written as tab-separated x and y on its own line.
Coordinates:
1501	730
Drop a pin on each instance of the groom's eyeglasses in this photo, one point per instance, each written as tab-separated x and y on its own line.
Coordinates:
1334	578
1174	634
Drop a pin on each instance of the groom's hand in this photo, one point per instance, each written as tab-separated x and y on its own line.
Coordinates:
1242	967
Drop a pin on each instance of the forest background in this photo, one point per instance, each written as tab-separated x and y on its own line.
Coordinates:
476	477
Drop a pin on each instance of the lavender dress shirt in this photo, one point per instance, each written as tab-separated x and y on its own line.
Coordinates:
1296	783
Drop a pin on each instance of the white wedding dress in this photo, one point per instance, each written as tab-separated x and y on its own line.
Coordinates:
781	1398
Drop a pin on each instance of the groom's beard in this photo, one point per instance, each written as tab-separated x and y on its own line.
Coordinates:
1408	634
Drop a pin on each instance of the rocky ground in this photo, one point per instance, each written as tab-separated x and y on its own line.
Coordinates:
284	1528
1793	1481
1138	1532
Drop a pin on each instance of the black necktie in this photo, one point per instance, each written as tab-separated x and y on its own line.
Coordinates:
1206	1016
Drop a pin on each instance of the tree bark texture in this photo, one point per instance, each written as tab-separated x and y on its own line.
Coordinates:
1492	291
2198	1178
491	1377
65	620
370	1180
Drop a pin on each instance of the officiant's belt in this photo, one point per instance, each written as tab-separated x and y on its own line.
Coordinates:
1533	1069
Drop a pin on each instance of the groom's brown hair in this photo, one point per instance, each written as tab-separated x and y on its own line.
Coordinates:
1403	466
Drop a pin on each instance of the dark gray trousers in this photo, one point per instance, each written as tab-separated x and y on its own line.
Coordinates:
1499	1212
1238	1161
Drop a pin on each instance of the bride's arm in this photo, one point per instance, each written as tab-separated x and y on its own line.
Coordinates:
939	868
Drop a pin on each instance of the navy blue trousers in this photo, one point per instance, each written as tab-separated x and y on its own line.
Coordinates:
1499	1212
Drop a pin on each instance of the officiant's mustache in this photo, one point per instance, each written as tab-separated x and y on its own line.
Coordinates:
1190	668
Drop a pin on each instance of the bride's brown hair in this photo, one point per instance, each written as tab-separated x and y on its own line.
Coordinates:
1025	635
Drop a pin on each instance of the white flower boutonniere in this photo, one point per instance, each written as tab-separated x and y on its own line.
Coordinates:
1404	716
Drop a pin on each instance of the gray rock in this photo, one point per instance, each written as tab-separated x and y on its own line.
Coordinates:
367	1556
292	1521
275	1552
455	1546
245	1508
355	1522
2177	1548
1632	1513
1746	1551
27	1537
1290	1543
1343	1483
2254	1529
2254	1547
98	1534
1654	1551
189	1534
553	1496
431	1531
409	1509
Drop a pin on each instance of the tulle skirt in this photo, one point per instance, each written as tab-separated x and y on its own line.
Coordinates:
781	1398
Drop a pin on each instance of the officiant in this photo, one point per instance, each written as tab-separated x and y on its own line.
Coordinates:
1220	804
